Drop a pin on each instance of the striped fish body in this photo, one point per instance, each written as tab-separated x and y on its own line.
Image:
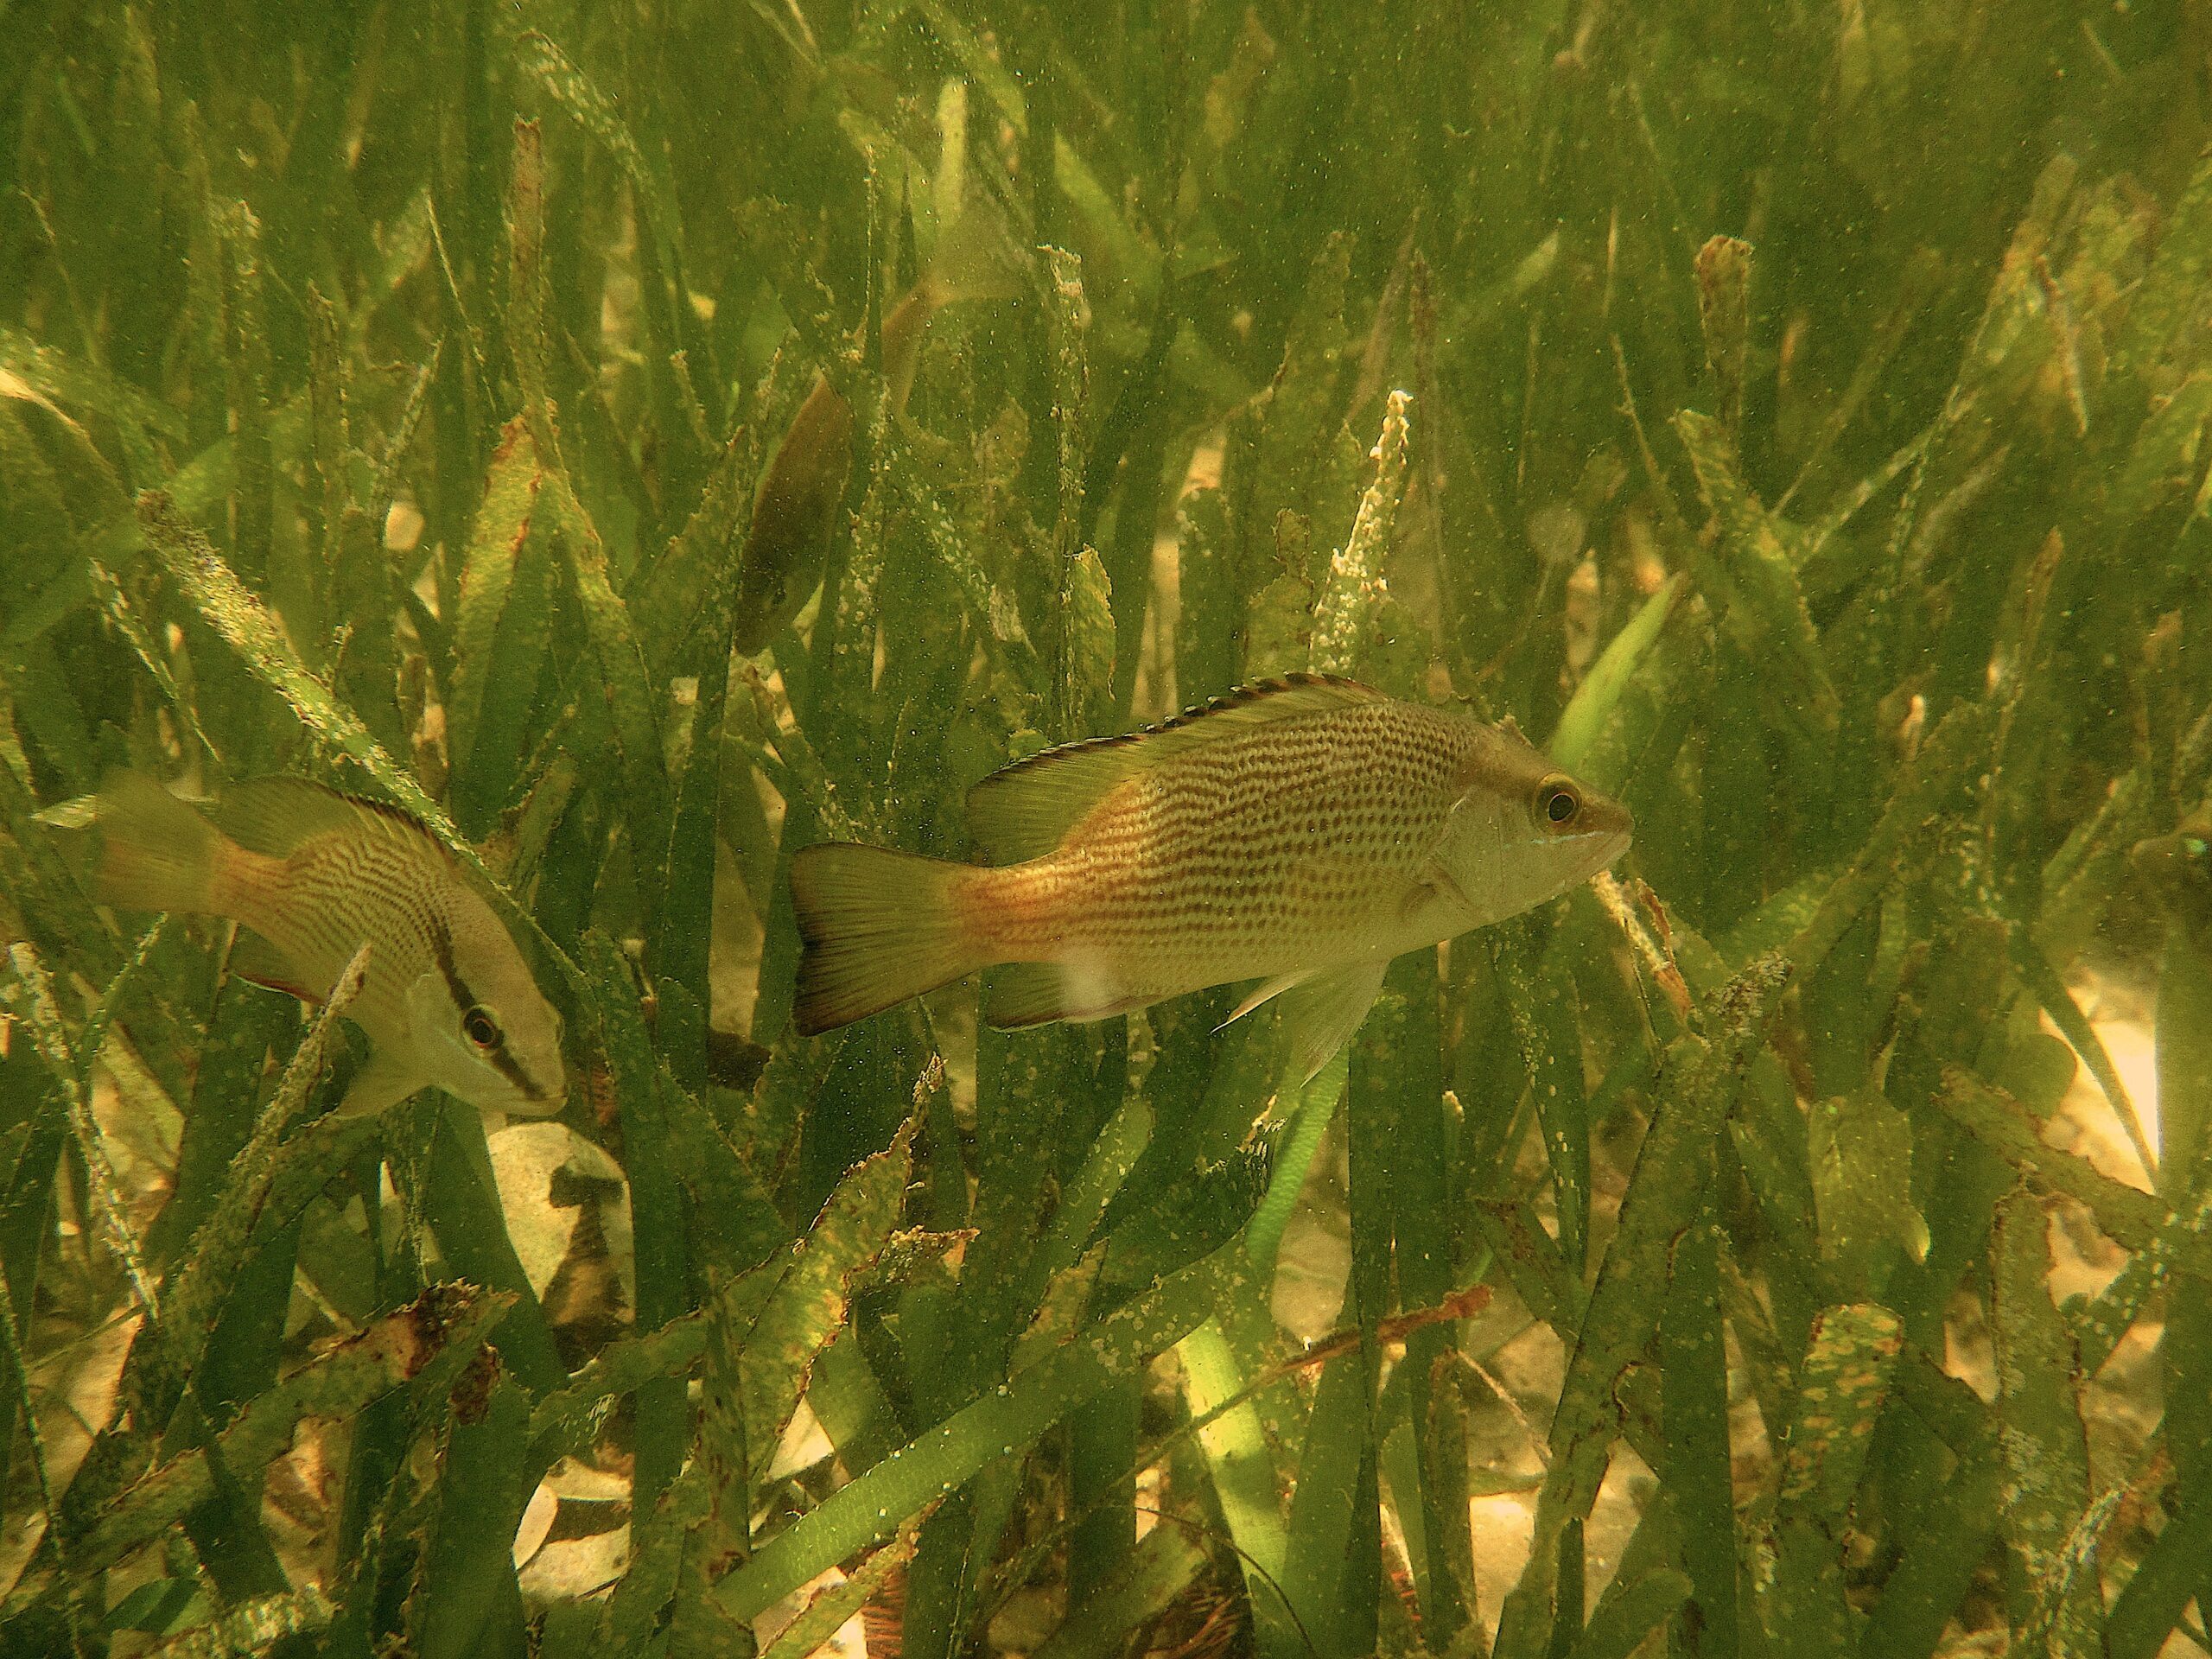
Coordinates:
318	901
1299	833
446	997
1305	840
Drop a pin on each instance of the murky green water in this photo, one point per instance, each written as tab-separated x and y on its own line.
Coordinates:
636	444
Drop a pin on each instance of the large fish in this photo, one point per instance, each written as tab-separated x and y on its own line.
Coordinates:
1300	832
447	999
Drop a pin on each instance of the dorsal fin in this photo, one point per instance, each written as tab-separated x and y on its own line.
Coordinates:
273	816
1023	811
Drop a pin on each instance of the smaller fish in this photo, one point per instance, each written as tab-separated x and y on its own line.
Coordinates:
2177	871
1299	832
447	999
796	506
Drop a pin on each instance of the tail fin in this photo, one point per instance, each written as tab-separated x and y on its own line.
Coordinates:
156	853
877	927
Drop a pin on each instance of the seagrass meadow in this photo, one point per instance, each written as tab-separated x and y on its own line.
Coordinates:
638	442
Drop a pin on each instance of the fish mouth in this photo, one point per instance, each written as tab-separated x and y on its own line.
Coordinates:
549	1100
1605	845
534	1106
1609	828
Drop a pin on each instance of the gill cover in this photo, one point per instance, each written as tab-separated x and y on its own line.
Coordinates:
476	1053
1523	832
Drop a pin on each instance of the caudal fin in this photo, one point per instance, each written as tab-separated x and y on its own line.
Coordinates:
877	927
156	853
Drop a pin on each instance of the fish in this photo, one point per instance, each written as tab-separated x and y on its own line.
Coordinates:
795	506
1299	832
310	874
2176	870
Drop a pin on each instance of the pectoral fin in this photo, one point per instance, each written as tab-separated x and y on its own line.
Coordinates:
1266	989
1321	1014
1433	887
382	1083
255	959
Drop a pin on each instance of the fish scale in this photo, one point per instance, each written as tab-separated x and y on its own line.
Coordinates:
310	876
1299	832
330	895
1229	863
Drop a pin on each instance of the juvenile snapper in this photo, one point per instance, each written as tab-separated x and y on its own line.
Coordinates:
1300	832
447	999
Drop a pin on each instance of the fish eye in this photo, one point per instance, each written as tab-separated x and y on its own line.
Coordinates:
1559	801
481	1028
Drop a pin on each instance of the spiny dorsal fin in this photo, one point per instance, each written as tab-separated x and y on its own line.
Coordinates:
273	816
1023	811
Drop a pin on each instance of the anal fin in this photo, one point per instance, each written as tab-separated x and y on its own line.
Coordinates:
1321	1014
383	1081
255	959
1264	991
1017	994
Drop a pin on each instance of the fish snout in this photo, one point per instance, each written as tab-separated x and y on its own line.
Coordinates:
1612	823
543	1098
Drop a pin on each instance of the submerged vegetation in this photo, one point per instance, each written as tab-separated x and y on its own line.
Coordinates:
1794	416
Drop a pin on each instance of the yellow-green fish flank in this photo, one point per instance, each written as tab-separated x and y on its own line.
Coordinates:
1300	833
447	998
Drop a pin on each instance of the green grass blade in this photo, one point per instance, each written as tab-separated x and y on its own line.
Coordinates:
1575	737
2129	1216
1111	1158
2046	1452
823	1616
461	1205
2158	1591
1664	1193
658	1211
1322	1557
870	1508
1243	1474
1949	1538
1310	1112
1156	1572
1938	773
219	1244
467	1575
807	1307
248	627
1102	1446
592	110
1625	1618
422	1344
1699	1472
1842	1386
500	631
631	701
2177	275
1751	579
1541	1000
1427	1269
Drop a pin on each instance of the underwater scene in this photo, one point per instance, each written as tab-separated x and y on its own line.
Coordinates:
1189	828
